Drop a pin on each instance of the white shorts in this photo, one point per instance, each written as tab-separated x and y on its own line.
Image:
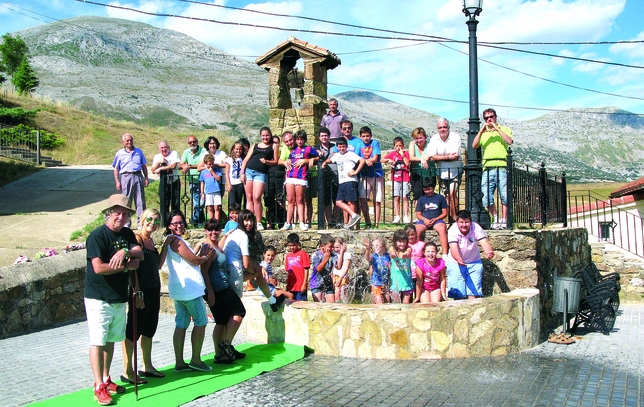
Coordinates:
106	322
297	181
213	199
367	186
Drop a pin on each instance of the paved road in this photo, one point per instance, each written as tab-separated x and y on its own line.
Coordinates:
45	208
597	370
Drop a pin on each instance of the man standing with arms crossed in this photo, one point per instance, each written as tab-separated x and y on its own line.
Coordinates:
112	250
131	174
167	162
445	150
494	141
333	119
191	157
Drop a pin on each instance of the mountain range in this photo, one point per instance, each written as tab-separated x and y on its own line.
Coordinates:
133	71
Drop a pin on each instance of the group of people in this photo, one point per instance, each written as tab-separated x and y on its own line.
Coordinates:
123	266
260	175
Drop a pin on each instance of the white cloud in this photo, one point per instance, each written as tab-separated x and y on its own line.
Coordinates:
630	50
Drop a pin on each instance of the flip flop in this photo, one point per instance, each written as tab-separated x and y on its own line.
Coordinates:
151	374
141	380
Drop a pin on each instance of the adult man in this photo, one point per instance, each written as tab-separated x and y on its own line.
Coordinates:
112	250
329	175
131	174
445	149
494	140
166	164
275	196
464	265
189	161
333	120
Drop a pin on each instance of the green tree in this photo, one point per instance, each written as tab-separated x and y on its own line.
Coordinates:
13	51
24	78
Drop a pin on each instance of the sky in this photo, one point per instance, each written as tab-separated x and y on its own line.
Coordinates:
427	75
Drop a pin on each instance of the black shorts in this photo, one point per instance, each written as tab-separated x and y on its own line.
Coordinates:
348	192
147	319
227	304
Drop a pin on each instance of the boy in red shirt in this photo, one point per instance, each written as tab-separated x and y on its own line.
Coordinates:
399	160
297	264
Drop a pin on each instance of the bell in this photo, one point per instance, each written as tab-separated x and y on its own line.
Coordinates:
299	96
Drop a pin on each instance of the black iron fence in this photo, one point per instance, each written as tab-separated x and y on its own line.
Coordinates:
533	195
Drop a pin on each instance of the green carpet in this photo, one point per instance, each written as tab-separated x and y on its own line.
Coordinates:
179	388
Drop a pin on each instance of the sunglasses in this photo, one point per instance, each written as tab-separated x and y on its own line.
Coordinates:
212	230
488	117
156	221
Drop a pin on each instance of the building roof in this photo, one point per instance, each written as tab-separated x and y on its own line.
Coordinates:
331	60
629	189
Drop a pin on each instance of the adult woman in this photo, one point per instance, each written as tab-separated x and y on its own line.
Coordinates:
242	262
186	287
420	167
225	305
147	285
255	172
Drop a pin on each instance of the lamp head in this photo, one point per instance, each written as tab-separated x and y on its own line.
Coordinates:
472	8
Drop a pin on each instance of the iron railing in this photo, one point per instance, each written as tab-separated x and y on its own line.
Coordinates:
606	221
20	143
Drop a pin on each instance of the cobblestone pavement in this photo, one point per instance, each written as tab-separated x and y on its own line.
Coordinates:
597	370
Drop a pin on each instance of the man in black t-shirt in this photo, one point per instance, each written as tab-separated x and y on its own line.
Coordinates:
112	250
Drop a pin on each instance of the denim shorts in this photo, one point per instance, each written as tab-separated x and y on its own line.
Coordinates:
327	290
252	175
194	308
494	178
464	280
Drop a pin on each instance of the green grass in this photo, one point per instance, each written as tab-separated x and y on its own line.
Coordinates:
603	189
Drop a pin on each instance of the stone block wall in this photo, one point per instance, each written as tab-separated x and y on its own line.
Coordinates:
42	293
492	326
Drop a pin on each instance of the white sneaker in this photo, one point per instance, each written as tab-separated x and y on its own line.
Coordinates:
303	226
406	219
503	224
260	226
286	226
397	219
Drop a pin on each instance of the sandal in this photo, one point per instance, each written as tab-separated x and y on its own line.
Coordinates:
139	379
227	349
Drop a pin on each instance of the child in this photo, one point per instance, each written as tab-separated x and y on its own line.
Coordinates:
372	181
416	248
324	261
348	180
296	181
399	160
210	192
379	262
431	276
341	269
297	263
431	209
401	282
233	216
234	184
269	255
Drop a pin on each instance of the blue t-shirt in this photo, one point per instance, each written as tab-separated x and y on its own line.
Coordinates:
230	225
354	145
211	185
380	269
322	278
367	151
431	206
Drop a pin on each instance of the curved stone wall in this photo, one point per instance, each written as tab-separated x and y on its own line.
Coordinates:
497	325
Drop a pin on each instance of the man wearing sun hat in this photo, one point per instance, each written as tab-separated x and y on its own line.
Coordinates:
112	250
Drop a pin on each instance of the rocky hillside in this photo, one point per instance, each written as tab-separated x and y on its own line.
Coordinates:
133	71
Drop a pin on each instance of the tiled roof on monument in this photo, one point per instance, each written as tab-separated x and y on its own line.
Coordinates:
331	60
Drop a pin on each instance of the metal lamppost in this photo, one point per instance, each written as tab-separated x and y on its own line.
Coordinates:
473	169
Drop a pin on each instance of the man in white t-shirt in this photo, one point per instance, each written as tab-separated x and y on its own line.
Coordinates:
445	150
166	164
464	265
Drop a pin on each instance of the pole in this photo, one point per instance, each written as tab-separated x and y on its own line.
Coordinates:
473	169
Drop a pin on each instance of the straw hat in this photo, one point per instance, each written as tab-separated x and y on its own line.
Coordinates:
119	200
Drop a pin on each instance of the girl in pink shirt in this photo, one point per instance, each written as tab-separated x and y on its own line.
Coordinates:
416	246
431	276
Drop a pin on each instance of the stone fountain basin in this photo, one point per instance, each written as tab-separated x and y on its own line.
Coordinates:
490	326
